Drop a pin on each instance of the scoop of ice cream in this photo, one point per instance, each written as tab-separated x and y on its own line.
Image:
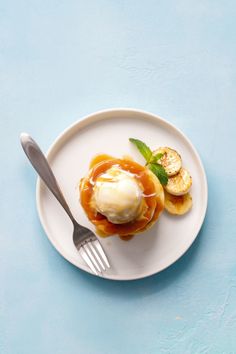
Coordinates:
117	195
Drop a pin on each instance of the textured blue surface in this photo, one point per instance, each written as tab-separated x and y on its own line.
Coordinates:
60	60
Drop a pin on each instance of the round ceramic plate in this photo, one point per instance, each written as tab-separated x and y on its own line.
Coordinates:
109	132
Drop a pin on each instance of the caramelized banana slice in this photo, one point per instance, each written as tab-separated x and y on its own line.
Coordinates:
180	183
171	160
178	205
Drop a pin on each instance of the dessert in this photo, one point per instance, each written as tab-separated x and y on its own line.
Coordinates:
170	160
178	205
180	183
166	164
121	196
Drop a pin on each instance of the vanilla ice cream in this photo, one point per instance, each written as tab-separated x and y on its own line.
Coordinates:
117	195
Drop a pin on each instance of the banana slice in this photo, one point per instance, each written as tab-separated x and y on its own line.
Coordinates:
171	160
178	205
180	183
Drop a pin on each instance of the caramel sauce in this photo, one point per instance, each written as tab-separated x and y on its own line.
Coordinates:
126	238
128	157
100	233
177	200
99	158
99	165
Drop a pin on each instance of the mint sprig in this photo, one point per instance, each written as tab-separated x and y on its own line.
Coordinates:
151	160
156	157
159	171
143	148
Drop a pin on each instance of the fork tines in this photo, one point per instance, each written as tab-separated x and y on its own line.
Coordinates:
93	254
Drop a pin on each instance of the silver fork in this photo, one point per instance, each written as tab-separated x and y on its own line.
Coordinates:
84	240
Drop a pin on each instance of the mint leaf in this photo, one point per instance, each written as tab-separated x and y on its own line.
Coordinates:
156	157
159	171
151	160
143	148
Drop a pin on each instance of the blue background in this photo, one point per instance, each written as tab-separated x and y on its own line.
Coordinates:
60	60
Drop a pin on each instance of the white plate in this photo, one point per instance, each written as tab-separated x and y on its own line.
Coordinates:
109	132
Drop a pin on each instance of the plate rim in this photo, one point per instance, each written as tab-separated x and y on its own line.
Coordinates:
85	121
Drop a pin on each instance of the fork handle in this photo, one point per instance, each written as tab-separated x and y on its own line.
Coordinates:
40	164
